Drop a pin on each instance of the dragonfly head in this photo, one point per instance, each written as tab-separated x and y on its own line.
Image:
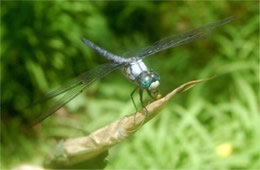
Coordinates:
149	80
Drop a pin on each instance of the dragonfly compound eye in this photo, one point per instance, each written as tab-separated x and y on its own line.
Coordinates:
146	82
155	76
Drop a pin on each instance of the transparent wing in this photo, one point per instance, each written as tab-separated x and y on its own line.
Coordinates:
56	92
74	88
179	39
67	97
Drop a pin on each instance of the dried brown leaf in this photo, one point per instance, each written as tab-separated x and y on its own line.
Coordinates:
79	149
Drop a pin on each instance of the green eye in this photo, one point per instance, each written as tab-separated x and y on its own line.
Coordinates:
146	82
155	76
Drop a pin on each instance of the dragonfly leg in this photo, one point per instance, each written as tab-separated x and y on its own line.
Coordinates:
154	96
143	106
150	94
141	99
132	98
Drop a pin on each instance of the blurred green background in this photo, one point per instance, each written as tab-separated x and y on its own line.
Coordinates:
214	125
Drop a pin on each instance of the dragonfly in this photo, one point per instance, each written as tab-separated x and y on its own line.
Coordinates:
132	65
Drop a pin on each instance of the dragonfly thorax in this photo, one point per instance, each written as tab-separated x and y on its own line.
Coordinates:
134	69
138	72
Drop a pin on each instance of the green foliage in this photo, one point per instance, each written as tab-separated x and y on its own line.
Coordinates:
213	125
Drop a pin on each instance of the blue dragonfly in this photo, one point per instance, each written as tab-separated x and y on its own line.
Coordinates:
132	65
